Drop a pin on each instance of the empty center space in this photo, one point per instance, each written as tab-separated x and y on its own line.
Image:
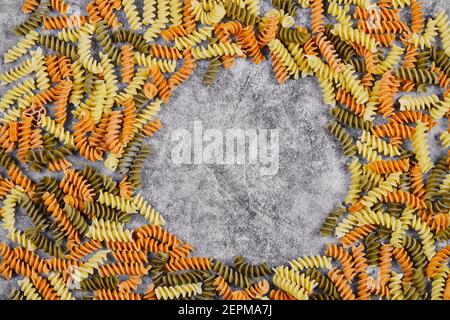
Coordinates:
233	209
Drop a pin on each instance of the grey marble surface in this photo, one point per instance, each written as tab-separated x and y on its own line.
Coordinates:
228	210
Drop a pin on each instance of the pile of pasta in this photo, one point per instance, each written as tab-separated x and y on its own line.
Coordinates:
89	86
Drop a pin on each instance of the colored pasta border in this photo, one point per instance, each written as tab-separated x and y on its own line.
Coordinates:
63	98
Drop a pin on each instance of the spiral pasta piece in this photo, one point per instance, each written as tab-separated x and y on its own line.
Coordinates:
309	262
189	263
175	292
107	230
29	6
127	63
60	22
419	144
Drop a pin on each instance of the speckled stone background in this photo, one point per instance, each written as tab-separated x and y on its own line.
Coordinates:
228	210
